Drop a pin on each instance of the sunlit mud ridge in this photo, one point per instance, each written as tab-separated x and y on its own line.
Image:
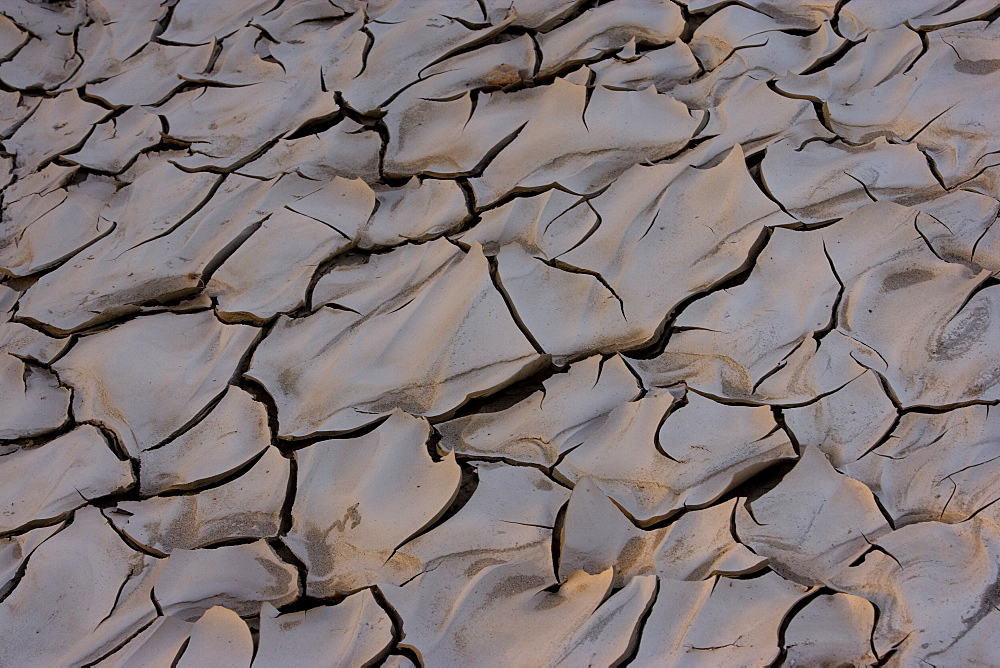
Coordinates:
499	333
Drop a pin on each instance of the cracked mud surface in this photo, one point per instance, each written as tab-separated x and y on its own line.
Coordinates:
499	332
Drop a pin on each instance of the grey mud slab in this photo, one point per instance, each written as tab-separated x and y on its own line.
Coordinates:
499	333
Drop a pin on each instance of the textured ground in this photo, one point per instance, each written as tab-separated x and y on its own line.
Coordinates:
499	332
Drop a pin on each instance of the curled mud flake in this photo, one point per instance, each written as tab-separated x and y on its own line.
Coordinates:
525	332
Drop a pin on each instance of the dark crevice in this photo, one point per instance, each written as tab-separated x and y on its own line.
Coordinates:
755	575
239	374
190	214
479	168
195	420
118	448
975	246
823	116
782	363
397	628
598	220
213	58
736	278
779	419
290	493
129	638
432	445
884	438
305	602
887	388
488	35
180	653
292	443
657	443
380	128
819	334
873	547
863	185
474	217
235	166
260	395
885	513
516	391
589	93
118	597
230	248
691	23
558	530
117	111
323	222
135	545
925	44
202	85
482	9
732	526
695	141
286	555
470	25
928	123
789	615
934	169
759	484
831	59
521	192
229	542
951	496
552	471
549	472
635	641
13	54
538	56
927	241
407	653
468	483
953	5
200	486
495	277
981	509
324	267
155	602
315	126
556	263
8	446
750	402
72	149
648	228
797	32
398	632
8	587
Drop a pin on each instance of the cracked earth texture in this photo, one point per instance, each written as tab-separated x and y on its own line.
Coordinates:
499	333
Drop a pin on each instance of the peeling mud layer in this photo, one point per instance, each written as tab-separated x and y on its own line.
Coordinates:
499	333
